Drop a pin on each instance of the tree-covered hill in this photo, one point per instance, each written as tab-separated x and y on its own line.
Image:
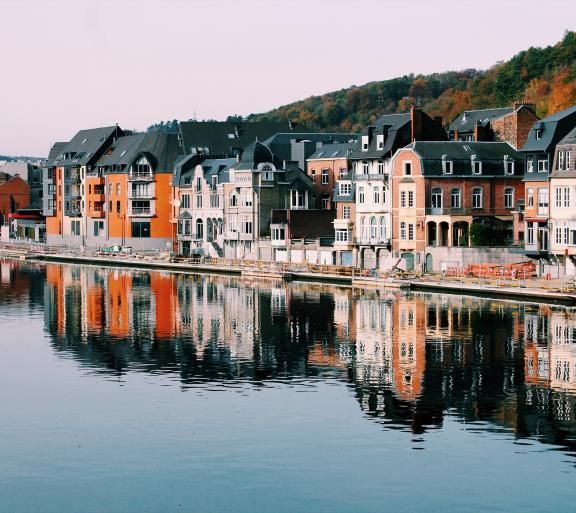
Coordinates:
545	76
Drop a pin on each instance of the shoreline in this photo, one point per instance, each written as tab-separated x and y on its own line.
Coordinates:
510	291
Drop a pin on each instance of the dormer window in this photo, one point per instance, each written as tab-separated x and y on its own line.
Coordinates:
476	166
447	165
344	188
365	142
508	165
407	168
267	173
380	141
538	134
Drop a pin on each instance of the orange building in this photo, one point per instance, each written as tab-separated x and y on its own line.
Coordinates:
108	187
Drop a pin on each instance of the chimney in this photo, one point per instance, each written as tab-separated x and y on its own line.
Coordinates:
525	103
417	123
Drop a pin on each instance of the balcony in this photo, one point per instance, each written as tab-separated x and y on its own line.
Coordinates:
451	211
372	241
370	178
141	177
97	214
98	197
141	211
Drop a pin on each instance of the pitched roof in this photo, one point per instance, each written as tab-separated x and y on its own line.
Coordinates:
551	130
161	149
57	149
569	138
223	137
86	145
333	151
396	129
491	154
255	154
466	121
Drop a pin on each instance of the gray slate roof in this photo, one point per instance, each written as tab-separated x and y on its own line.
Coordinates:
491	154
57	149
553	129
569	138
161	150
466	121
398	135
333	151
86	146
257	153
223	137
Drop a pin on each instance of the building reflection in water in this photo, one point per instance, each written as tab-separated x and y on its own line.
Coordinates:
410	360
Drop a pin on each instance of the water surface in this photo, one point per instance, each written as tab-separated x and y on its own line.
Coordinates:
130	391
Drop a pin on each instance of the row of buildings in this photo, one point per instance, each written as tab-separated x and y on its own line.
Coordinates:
495	185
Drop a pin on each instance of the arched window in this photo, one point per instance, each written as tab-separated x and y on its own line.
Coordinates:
373	228
508	197
199	229
267	172
383	228
233	199
363	228
477	197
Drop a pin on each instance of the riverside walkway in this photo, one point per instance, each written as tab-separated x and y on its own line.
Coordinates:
529	289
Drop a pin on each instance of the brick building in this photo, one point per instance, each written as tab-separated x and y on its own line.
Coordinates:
442	188
14	195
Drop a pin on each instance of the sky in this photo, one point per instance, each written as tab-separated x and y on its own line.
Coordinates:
72	64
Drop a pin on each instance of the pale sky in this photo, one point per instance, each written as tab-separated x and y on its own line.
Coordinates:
72	64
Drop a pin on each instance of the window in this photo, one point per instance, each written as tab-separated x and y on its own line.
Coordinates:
198	200
215	181
410	231
508	197
267	174
343	172
346	212
436	197
246	197
538	134
477	197
530	197
75	227
376	195
402	199
365	168
373	228
325	177
247	227
410	198
214	201
118	189
476	167
185	201
530	165
233	199
403	230
566	197
557	196
297	199
508	166
345	188
365	142
141	229
199	229
313	174
407	168
380	141
382	228
530	233
99	229
380	168
325	201
118	208
447	166
342	235
279	234
543	166
198	184
455	198
558	235
542	201
361	195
